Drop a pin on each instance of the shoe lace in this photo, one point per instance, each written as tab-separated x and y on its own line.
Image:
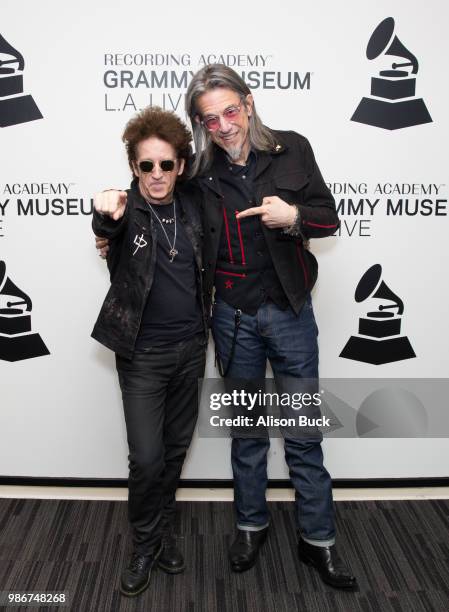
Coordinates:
137	562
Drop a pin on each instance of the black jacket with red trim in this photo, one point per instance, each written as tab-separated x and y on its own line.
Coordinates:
290	172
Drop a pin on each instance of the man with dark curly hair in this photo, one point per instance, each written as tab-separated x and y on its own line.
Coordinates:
153	319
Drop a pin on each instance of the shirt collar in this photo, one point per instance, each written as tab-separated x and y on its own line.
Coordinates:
225	164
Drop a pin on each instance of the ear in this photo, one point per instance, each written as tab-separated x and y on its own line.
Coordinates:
249	100
135	169
197	119
181	166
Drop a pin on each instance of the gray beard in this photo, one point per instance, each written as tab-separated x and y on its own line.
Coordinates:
234	153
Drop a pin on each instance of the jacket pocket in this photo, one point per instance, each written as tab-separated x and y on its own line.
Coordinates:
294	181
290	186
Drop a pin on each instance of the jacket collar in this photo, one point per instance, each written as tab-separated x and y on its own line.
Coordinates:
263	159
209	180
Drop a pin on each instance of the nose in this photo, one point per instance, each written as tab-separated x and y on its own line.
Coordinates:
157	172
225	125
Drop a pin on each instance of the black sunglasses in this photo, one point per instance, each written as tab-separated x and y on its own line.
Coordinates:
166	165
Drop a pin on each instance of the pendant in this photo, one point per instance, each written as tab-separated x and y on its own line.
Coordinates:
173	252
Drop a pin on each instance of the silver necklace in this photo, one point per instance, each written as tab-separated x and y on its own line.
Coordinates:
172	252
168	220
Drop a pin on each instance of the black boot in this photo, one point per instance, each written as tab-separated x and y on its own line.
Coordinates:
136	577
171	559
245	548
326	561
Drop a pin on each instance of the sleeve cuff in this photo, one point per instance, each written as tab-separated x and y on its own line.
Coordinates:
295	228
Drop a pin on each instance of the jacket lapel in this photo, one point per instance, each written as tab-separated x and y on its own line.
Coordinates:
262	163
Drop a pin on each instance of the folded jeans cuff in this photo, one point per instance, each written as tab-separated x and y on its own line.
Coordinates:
251	527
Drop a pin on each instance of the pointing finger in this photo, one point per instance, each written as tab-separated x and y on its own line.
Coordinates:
117	214
251	212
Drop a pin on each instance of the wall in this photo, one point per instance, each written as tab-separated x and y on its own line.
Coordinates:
60	412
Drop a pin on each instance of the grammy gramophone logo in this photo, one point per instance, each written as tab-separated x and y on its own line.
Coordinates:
393	104
15	106
17	341
379	339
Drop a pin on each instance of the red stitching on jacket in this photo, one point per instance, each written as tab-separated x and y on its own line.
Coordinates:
319	225
228	237
242	250
304	269
230	273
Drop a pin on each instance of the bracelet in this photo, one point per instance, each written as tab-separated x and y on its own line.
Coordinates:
294	227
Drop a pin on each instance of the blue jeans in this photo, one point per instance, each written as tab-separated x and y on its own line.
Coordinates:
290	344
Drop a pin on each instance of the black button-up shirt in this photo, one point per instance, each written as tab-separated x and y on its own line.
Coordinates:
245	276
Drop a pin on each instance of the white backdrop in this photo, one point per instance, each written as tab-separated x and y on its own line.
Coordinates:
61	414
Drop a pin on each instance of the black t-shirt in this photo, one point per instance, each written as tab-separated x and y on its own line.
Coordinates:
173	311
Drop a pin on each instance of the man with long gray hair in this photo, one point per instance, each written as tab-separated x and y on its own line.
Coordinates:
264	198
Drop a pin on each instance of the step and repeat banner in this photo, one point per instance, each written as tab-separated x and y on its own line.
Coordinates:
367	85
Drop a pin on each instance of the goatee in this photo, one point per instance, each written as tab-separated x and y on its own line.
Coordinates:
234	153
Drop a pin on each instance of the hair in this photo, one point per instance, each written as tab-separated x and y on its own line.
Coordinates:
211	77
166	125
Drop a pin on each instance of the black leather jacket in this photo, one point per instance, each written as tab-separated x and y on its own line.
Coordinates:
290	172
132	268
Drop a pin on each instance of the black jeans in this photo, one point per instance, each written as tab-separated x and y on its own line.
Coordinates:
160	400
